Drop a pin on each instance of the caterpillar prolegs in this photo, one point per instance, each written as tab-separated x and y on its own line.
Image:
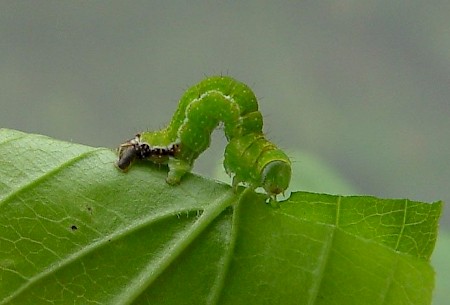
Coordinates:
249	157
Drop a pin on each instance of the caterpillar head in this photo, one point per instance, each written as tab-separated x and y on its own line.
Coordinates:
127	154
131	150
276	177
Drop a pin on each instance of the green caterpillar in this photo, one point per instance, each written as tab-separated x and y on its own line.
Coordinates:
249	157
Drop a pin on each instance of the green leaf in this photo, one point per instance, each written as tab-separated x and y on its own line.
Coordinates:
440	263
74	229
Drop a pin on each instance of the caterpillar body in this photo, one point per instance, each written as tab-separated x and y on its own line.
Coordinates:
249	157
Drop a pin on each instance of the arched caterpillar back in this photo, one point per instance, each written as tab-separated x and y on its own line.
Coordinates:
249	157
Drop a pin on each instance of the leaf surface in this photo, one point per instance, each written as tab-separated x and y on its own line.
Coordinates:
74	229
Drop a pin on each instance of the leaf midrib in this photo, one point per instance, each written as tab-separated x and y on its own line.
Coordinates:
219	284
154	269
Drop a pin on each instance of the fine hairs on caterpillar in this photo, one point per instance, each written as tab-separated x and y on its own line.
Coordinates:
249	157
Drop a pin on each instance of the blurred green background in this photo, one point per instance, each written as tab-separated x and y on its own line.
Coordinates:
363	86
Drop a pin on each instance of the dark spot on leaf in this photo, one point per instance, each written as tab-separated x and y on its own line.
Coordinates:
74	227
